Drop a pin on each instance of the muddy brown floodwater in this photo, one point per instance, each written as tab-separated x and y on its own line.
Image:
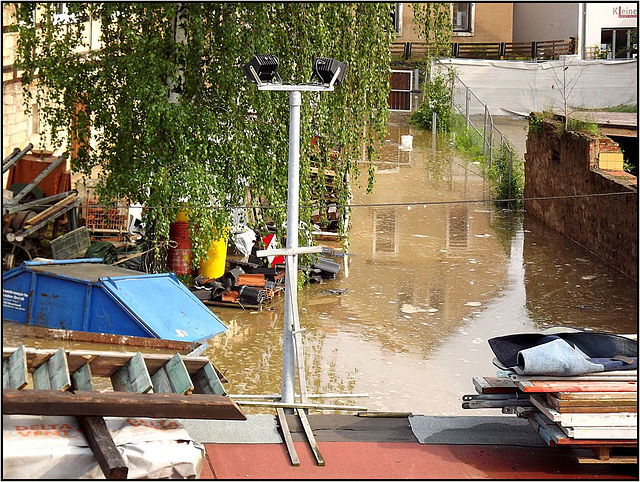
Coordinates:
430	279
433	273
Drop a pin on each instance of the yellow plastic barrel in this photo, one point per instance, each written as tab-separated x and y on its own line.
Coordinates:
212	266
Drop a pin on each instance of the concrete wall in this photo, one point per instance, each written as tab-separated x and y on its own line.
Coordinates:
564	165
534	21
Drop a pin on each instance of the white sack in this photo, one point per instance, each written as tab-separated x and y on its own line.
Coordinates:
47	447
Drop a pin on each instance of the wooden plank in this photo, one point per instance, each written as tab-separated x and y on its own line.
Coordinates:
119	404
602	433
309	433
596	396
612	460
53	374
603	455
107	363
207	381
585	419
591	405
485	385
577	386
107	455
286	434
14	370
81	379
133	376
598	409
172	378
182	347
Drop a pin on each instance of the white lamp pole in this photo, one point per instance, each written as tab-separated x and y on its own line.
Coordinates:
293	194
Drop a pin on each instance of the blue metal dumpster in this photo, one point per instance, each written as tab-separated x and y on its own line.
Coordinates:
85	295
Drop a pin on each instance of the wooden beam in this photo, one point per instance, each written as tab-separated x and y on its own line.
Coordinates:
286	434
120	404
309	433
104	448
577	386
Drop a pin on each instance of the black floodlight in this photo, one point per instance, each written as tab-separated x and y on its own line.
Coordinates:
328	71
262	68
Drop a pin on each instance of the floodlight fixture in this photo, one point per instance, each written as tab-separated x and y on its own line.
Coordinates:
262	68
328	71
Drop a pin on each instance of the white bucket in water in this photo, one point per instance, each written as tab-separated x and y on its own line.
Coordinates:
407	142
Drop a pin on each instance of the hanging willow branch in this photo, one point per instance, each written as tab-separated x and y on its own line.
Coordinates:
218	140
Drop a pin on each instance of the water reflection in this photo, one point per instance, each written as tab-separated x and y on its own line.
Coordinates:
431	279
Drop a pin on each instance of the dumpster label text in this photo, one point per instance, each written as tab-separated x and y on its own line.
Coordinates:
14	299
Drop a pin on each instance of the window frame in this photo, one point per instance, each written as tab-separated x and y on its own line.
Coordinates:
472	19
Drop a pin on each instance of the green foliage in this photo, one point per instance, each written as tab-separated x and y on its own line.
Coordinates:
174	122
437	97
433	25
507	175
536	119
579	125
185	279
467	140
619	108
506	169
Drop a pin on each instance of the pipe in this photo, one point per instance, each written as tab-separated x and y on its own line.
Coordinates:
318	406
291	273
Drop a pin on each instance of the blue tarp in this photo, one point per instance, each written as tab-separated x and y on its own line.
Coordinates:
84	295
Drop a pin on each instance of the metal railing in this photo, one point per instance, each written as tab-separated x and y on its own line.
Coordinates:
535	51
462	102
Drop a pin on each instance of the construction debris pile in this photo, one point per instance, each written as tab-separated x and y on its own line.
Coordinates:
249	284
569	400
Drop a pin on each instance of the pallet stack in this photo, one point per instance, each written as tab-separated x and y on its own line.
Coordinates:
598	412
601	415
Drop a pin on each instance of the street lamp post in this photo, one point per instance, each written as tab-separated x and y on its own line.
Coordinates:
262	69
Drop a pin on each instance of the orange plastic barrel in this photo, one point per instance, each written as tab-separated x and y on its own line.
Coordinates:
179	258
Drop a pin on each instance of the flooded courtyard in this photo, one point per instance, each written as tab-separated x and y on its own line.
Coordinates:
434	270
433	273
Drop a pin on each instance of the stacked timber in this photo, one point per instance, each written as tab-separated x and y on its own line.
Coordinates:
598	412
549	379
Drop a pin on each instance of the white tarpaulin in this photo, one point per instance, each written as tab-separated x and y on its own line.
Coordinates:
46	447
509	87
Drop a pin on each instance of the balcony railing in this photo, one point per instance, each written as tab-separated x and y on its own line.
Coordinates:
545	50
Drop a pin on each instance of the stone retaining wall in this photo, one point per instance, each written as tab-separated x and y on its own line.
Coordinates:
566	164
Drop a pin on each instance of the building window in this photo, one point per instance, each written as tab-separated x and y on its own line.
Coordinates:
61	13
35	119
462	17
619	43
396	18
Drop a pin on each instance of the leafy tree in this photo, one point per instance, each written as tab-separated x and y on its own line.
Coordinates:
174	121
433	24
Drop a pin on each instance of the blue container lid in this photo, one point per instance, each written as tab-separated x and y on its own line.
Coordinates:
164	306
